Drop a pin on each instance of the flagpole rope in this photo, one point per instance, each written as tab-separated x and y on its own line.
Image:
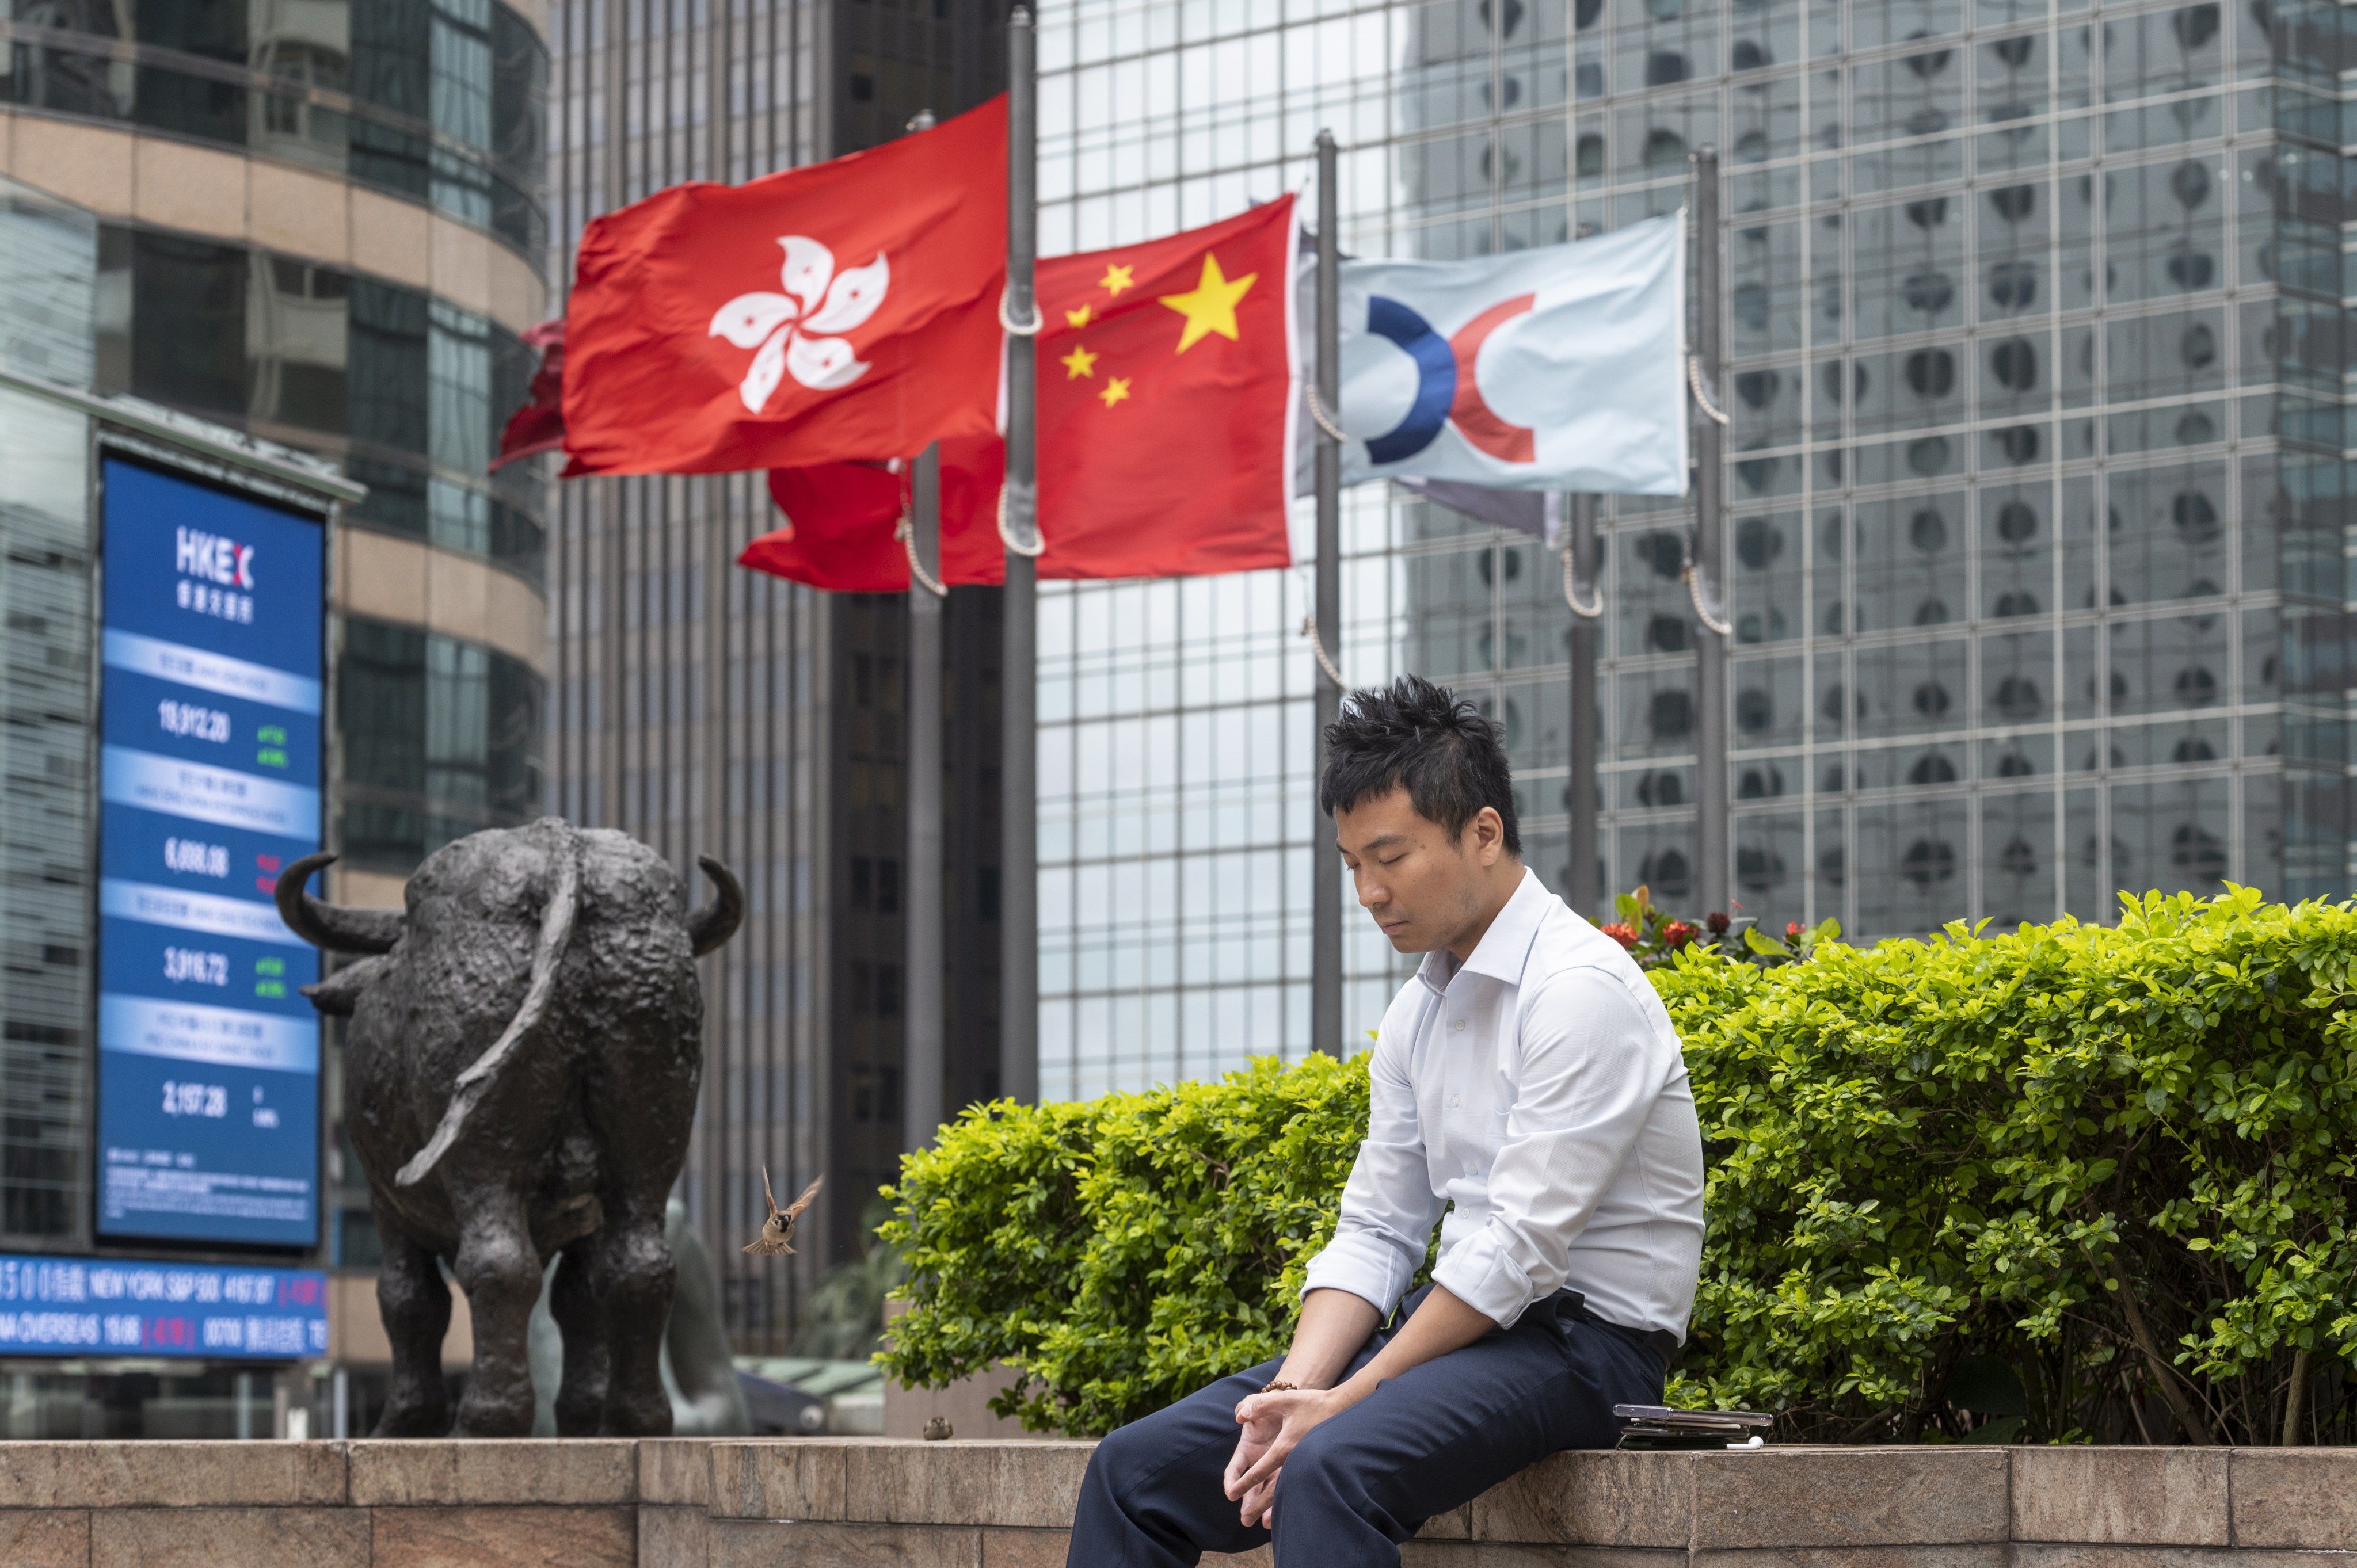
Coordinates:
1010	325
1693	580
1318	646
1694	379
1318	412
1032	553
905	531
1589	611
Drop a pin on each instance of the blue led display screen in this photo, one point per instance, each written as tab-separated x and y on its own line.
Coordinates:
85	1306
209	713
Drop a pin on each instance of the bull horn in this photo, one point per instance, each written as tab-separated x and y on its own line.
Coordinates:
331	926
712	925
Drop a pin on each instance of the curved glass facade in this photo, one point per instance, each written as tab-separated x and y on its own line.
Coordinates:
409	391
46	918
46	253
479	715
441	101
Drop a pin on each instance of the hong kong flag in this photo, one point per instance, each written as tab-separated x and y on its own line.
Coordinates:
849	309
1166	401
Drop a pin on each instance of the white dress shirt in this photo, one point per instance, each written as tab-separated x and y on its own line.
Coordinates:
1541	1088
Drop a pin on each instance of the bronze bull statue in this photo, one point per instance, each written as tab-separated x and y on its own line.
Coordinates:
520	1070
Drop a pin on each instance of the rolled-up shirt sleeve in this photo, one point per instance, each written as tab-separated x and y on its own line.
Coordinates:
1388	1205
1586	1089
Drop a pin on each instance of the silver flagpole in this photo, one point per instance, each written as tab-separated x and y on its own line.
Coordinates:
1018	900
1710	502
922	1023
1326	882
1579	577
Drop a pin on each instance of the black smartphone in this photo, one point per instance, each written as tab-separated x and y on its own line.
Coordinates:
1657	1427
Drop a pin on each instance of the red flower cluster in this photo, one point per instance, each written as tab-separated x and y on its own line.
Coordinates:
1625	935
1677	933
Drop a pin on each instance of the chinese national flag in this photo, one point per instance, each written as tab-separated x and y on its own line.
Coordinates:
1166	400
846	309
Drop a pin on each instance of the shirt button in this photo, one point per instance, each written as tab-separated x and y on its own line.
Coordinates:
1453	1101
1459	1025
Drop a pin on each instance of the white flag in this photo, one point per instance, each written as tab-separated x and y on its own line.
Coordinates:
1556	369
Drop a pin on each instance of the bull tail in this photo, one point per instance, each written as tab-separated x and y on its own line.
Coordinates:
555	932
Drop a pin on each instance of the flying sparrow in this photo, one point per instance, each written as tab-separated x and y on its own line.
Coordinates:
778	1230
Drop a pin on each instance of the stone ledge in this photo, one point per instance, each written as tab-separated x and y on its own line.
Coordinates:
2276	1496
885	1480
254	1536
1941	1507
1591	1499
691	1503
1848	1497
2029	1554
170	1474
2123	1497
479	1537
45	1538
676	1470
551	1470
672	1535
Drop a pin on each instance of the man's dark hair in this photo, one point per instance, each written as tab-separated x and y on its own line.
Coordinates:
1424	738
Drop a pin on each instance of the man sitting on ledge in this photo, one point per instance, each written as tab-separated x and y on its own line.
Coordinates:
1528	1080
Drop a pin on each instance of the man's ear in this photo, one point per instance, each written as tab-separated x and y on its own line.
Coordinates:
1489	830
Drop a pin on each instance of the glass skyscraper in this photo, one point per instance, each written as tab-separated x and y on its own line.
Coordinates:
705	708
2036	351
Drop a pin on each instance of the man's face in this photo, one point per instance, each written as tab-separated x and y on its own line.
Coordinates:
1424	887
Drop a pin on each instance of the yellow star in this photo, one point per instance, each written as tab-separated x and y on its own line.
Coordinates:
1116	390
1116	279
1077	363
1076	318
1210	305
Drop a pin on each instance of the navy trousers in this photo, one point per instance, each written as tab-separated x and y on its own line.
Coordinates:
1424	1442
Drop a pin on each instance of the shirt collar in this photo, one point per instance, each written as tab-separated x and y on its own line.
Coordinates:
1503	948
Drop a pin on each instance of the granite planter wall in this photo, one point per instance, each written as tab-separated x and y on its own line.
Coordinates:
868	1503
989	1504
326	1505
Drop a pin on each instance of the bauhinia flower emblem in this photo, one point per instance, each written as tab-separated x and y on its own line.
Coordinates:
795	333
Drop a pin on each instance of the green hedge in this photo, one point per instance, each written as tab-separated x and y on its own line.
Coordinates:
1933	1163
1124	1251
